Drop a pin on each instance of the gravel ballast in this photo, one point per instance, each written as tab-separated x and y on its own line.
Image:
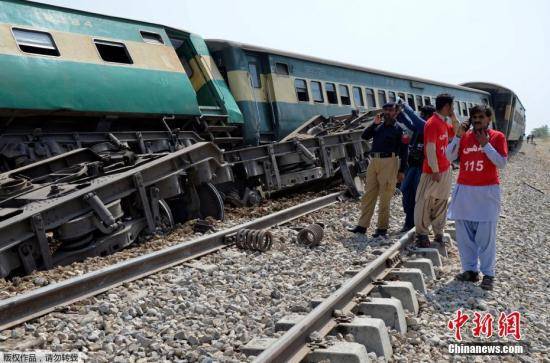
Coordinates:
205	310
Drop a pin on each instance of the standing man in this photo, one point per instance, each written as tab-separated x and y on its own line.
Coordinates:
416	158
475	203
388	164
435	182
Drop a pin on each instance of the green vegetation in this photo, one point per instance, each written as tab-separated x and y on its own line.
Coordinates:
541	132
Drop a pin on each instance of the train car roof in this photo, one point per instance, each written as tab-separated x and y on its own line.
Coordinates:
255	48
85	12
493	87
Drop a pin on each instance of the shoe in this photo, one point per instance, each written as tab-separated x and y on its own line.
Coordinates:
487	282
380	233
357	229
422	241
470	276
439	239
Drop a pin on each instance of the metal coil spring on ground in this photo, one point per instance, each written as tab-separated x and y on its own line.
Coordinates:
254	239
311	235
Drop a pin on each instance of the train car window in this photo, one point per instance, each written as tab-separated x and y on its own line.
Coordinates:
456	108
344	95
464	109
418	101
391	96
301	90
382	100
31	41
485	101
427	101
255	80
153	38
470	105
358	97
282	68
410	101
401	95
332	98
317	92
186	66
113	52
371	101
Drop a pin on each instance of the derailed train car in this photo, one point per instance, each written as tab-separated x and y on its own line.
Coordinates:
104	122
68	71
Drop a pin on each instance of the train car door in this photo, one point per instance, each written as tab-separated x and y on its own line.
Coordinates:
261	96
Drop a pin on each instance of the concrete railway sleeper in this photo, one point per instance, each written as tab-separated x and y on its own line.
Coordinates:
373	300
20	308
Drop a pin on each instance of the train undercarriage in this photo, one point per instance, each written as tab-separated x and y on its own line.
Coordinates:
103	191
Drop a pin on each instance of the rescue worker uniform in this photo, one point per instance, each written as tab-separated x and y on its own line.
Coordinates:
431	196
388	157
475	202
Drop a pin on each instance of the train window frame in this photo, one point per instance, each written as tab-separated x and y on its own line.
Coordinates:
372	98
429	101
329	97
361	98
402	95
113	45
285	72
321	94
385	100
464	109
255	79
151	37
410	97
392	96
36	48
419	102
342	97
456	108
301	92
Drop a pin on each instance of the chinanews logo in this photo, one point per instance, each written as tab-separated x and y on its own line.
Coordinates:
483	325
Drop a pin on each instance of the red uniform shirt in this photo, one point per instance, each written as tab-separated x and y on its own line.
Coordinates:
438	132
475	167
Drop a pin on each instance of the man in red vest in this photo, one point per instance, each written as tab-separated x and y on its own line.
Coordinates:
475	203
435	182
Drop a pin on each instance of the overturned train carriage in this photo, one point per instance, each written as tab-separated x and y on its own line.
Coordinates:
112	129
81	204
69	71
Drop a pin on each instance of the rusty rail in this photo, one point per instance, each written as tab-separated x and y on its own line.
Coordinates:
21	308
292	346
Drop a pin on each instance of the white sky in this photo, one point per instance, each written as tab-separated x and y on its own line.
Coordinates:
499	41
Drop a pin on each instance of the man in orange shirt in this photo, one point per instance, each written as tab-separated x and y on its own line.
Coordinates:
435	182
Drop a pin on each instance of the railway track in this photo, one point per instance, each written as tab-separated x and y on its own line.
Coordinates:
394	276
21	308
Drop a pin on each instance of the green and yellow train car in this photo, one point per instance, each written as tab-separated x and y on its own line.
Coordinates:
58	63
277	91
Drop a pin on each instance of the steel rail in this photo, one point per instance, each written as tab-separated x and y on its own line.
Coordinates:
292	346
20	308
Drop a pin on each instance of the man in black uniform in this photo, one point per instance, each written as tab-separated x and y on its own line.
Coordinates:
414	170
387	166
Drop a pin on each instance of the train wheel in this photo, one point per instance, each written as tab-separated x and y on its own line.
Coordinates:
211	202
